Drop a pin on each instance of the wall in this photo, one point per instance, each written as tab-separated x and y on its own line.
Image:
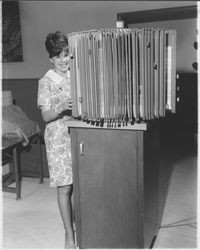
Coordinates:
38	18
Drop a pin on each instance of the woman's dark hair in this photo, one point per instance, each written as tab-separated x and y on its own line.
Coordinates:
55	43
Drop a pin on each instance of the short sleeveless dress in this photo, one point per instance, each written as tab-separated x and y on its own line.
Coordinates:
54	90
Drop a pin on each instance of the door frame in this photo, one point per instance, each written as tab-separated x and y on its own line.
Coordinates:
154	15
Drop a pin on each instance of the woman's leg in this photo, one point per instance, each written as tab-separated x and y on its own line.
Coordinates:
73	210
64	203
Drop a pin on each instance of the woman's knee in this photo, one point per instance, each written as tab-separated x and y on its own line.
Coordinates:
65	190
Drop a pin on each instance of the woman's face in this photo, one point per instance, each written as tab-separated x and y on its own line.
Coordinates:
61	62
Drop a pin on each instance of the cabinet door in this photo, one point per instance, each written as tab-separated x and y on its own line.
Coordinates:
105	184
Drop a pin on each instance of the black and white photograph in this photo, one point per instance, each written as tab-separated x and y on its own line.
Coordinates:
99	124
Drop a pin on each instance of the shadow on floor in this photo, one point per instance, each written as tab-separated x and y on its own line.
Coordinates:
173	148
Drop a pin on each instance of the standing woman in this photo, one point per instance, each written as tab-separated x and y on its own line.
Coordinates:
54	100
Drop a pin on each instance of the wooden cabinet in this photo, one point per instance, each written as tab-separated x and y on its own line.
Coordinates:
115	186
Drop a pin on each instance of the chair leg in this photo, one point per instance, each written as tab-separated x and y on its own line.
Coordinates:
17	173
40	159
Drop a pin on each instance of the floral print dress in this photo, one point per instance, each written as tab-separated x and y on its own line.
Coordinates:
53	90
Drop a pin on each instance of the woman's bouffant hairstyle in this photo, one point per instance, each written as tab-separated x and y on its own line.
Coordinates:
55	43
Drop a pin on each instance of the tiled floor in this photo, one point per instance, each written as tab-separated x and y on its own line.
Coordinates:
179	222
34	221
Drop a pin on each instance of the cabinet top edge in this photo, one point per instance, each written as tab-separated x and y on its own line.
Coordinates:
81	124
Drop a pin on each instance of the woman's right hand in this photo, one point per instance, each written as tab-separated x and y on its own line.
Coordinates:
61	110
69	104
63	106
67	108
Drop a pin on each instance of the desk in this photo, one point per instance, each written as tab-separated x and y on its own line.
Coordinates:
11	149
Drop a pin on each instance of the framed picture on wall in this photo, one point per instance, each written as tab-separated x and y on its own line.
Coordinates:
11	32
